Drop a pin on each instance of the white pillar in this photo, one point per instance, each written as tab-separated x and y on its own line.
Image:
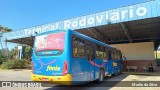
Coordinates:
20	49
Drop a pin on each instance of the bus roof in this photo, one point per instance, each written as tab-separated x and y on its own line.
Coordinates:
50	31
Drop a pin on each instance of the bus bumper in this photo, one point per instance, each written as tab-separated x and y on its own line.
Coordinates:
64	80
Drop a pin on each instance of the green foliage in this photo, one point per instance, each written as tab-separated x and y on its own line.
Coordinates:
5	29
2	59
27	52
13	53
7	65
14	64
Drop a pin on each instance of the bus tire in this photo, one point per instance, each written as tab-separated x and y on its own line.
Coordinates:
120	72
117	73
101	76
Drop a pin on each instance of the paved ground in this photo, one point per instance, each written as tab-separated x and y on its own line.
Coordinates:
25	76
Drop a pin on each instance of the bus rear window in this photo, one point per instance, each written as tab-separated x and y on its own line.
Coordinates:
53	41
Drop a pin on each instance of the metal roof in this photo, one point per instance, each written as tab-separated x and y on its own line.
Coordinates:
146	30
134	23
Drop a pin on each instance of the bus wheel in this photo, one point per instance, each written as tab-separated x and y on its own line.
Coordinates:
101	76
119	71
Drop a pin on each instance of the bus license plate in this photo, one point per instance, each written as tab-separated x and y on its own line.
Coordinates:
45	79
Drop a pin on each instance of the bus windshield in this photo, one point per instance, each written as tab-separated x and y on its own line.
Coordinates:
54	41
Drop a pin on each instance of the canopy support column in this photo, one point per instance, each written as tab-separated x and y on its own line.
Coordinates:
125	29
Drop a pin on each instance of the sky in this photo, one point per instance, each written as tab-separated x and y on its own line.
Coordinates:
19	14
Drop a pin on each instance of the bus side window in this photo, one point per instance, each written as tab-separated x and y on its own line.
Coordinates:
114	55
107	55
78	47
101	52
119	55
89	51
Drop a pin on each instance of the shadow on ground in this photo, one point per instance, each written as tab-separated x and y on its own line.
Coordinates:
108	83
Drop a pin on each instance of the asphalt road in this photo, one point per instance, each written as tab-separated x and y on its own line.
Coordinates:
25	76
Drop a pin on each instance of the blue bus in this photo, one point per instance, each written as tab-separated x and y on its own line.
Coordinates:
68	57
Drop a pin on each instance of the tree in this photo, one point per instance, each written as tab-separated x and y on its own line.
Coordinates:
27	52
13	53
1	58
4	29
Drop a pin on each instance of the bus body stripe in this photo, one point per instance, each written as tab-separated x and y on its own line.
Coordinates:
42	64
95	64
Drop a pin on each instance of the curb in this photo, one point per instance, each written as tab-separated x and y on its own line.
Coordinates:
24	70
142	73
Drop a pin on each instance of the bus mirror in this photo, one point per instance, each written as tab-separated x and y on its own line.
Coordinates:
124	58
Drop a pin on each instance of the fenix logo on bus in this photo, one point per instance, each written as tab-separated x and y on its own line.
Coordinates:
53	68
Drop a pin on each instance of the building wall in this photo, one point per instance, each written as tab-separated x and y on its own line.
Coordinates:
138	54
137	51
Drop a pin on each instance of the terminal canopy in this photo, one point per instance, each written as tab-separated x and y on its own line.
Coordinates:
146	30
